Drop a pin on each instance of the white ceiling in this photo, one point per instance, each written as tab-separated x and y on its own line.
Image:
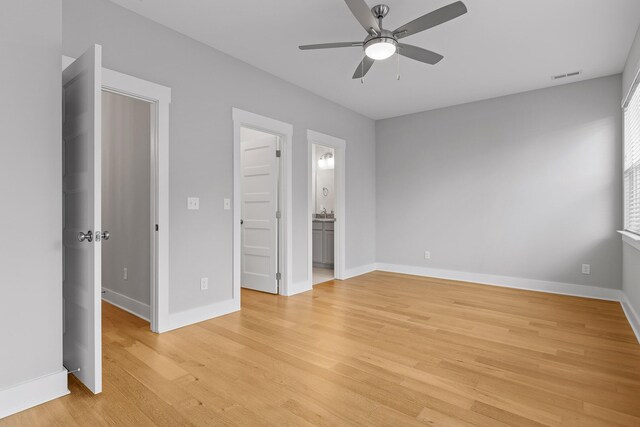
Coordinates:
499	47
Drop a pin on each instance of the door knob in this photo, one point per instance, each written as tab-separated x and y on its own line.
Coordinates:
102	236
88	236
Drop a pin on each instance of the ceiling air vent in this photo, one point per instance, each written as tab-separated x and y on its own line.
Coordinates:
563	76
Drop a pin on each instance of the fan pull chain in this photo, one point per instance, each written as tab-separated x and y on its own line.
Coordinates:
398	55
362	70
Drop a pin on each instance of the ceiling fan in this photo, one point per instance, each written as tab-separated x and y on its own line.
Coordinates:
381	43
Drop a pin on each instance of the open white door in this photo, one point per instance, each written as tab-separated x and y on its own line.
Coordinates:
81	132
259	189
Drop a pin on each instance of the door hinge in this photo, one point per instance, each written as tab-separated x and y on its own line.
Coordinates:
278	153
278	214
156	227
278	276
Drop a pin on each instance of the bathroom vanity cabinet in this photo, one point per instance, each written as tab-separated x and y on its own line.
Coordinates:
323	243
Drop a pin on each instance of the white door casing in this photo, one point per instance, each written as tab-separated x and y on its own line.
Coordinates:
81	135
259	189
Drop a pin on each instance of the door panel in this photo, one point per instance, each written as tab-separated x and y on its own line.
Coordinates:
81	184
259	190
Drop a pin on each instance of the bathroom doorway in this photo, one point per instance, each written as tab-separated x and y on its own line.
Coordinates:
323	194
326	213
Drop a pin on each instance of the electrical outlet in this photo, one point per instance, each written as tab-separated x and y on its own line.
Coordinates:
586	268
125	274
193	203
227	204
427	255
204	283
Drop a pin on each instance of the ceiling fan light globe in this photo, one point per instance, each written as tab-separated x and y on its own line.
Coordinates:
380	49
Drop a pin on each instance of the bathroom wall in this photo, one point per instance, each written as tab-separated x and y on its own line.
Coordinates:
324	182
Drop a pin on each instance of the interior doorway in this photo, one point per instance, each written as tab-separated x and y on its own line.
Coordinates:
262	195
84	82
128	208
323	191
326	207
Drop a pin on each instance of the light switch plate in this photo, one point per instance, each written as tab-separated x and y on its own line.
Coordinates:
193	203
204	283
586	268
227	204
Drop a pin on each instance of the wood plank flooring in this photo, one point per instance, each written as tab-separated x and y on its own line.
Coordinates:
378	349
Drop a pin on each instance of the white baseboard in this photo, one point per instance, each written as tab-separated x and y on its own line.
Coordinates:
298	288
32	393
358	271
200	314
126	303
506	281
632	315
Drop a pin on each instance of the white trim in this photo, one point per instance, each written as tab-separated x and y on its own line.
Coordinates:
359	271
32	393
507	282
631	239
201	314
298	288
632	315
340	147
126	303
634	83
160	97
284	130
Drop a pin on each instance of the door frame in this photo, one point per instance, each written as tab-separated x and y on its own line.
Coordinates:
339	251
284	131
159	97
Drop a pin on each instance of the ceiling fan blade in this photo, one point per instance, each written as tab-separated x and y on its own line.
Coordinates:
363	67
430	20
419	54
363	14
330	45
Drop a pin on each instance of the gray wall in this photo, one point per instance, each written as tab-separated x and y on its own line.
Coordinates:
632	65
206	84
527	185
126	157
31	188
631	263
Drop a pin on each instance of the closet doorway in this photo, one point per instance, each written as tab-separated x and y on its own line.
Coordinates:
128	210
84	85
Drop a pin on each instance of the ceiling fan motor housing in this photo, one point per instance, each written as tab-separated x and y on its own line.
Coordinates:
385	36
380	11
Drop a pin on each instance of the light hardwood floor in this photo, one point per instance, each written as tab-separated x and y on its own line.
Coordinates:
376	349
321	275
